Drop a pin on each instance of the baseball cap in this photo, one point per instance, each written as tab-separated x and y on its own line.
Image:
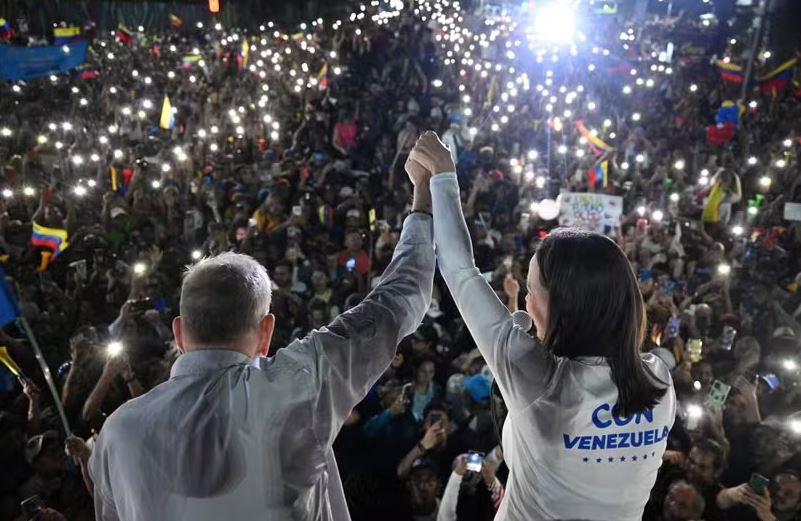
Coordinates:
345	192
478	387
353	212
34	446
117	211
784	333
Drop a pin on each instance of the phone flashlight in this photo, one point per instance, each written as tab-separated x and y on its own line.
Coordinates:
114	349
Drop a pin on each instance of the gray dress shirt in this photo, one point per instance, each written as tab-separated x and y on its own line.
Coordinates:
230	438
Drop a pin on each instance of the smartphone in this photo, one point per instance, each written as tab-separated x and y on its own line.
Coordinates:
252	223
80	267
32	506
351	264
406	392
771	380
717	395
297	211
695	350
436	417
645	274
673	327
474	461
758	484
727	339
143	304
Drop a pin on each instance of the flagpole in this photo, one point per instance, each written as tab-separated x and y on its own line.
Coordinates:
46	372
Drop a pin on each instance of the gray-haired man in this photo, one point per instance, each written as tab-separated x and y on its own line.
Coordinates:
232	435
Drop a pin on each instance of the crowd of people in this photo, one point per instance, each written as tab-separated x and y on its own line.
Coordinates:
289	145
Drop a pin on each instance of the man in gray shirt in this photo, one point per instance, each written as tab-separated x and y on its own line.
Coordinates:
234	435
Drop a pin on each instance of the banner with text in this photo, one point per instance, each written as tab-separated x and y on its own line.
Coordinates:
26	63
591	211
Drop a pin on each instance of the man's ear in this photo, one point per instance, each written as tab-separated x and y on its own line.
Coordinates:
177	330
266	329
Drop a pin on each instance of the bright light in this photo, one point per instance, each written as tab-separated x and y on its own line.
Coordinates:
657	215
636	116
95	158
139	268
555	22
641	210
436	84
627	89
562	149
165	167
7	193
752	160
753	210
114	349
674	197
765	181
737	229
532	155
118	154
92	183
795	426
697	385
591	105
156	184
790	364
679	164
781	163
539	182
787	143
28	191
196	255
724	269
548	210
42	139
694	411
752	105
80	190
78	160
693	87
639	158
624	165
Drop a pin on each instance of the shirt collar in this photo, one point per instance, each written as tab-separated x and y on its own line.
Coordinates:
209	360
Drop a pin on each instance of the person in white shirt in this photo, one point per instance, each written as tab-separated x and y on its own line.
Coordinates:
234	435
589	415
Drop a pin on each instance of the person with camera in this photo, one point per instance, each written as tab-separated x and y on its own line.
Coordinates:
585	405
473	492
235	434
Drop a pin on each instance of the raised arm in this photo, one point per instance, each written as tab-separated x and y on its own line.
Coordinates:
358	346
502	344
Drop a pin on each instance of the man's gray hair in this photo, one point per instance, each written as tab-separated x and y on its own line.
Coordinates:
224	298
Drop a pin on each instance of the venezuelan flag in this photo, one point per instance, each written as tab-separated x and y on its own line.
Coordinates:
175	21
188	60
5	30
54	239
599	174
730	72
778	78
66	35
124	34
167	117
322	77
598	145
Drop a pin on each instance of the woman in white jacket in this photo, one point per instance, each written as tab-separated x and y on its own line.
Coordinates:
589	415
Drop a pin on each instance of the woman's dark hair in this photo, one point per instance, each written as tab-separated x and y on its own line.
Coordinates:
595	308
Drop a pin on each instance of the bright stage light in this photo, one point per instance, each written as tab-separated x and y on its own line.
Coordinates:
555	22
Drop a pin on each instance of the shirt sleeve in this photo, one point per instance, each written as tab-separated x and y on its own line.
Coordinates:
450	499
519	364
349	355
105	509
